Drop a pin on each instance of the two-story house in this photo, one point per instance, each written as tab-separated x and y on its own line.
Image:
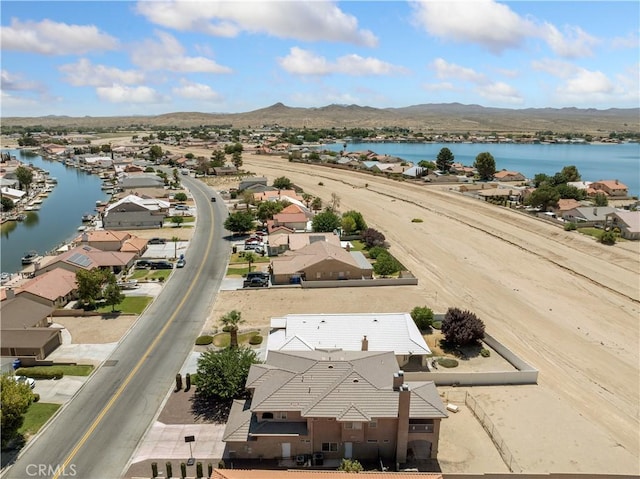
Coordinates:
332	404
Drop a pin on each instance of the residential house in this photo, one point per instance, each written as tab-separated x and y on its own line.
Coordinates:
414	172
13	194
140	181
134	212
566	204
87	258
320	261
54	288
225	170
395	332
113	240
505	175
588	215
247	182
24	328
335	404
507	194
273	195
611	188
294	218
279	243
627	221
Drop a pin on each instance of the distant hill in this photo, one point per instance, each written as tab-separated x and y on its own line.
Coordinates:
449	117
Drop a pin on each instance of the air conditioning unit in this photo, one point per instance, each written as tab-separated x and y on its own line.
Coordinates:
453	408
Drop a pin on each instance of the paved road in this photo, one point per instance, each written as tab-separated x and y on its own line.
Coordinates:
95	434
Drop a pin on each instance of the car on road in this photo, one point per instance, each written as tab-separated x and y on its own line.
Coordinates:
157	241
181	263
213	199
161	265
256	282
25	380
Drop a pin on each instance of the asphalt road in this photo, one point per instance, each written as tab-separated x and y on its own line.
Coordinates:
95	434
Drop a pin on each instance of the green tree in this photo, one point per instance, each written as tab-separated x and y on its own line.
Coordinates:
105	148
608	238
428	165
24	176
222	374
175	240
218	159
571	173
386	265
325	222
282	183
180	197
334	203
239	222
316	204
600	199
15	399
306	197
230	322
7	204
236	159
250	258
422	316
348	225
373	237
568	191
155	152
486	166
89	285
462	327
177	220
350	465
358	219
541	179
112	293
445	160
267	209
543	197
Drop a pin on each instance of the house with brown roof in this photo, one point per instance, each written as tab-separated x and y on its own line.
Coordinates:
566	204
54	288
505	175
320	261
610	188
112	240
24	330
271	195
627	221
88	258
338	404
279	243
296	221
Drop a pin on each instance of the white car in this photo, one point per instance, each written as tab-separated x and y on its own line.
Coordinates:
25	380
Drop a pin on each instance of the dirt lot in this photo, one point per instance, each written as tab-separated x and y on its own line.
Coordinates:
96	329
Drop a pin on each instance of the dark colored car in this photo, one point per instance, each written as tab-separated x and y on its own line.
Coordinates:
213	199
142	264
157	241
256	283
161	265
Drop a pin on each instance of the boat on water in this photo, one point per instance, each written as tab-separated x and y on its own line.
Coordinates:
82	228
52	180
87	217
29	257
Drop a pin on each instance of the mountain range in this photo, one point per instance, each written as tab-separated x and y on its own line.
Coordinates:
429	118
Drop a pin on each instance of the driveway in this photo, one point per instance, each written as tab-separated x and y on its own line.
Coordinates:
59	391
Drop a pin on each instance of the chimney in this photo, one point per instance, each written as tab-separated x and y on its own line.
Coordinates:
85	237
10	293
398	379
404	404
365	344
616	182
348	247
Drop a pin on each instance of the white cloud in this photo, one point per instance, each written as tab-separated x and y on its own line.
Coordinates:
127	94
496	27
304	62
169	54
54	38
630	41
445	70
500	92
442	86
11	82
585	82
319	20
84	73
196	91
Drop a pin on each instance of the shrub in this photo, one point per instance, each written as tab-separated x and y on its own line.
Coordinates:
257	339
226	329
373	237
417	220
485	353
570	226
608	237
41	372
204	340
320	183
350	465
448	362
377	251
462	327
36	397
422	316
436	325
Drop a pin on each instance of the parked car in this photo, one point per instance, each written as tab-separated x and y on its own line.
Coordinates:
257	247
256	274
181	207
157	241
161	265
142	264
213	199
129	284
256	283
180	263
25	380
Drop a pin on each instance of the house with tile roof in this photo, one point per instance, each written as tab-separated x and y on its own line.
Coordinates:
283	241
272	195
320	261
505	175
135	212
395	332
341	404
112	240
53	288
87	258
627	221
613	188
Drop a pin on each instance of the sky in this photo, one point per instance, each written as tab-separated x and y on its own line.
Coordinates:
119	58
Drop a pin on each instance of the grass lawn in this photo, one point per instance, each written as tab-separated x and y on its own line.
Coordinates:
139	274
595	232
236	258
130	305
159	273
37	415
221	340
75	370
358	245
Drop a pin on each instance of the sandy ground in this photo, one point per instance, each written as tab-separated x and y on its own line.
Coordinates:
566	304
95	329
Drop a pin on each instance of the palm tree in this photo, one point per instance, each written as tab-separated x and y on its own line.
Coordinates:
251	258
230	321
175	240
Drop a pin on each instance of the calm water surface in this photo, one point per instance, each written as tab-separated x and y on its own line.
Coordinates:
594	161
59	216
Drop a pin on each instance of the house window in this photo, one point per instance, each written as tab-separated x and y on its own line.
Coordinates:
282	415
353	425
372	441
373	424
318	275
267	415
329	447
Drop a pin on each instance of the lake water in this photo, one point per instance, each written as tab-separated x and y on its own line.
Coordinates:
60	214
594	161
